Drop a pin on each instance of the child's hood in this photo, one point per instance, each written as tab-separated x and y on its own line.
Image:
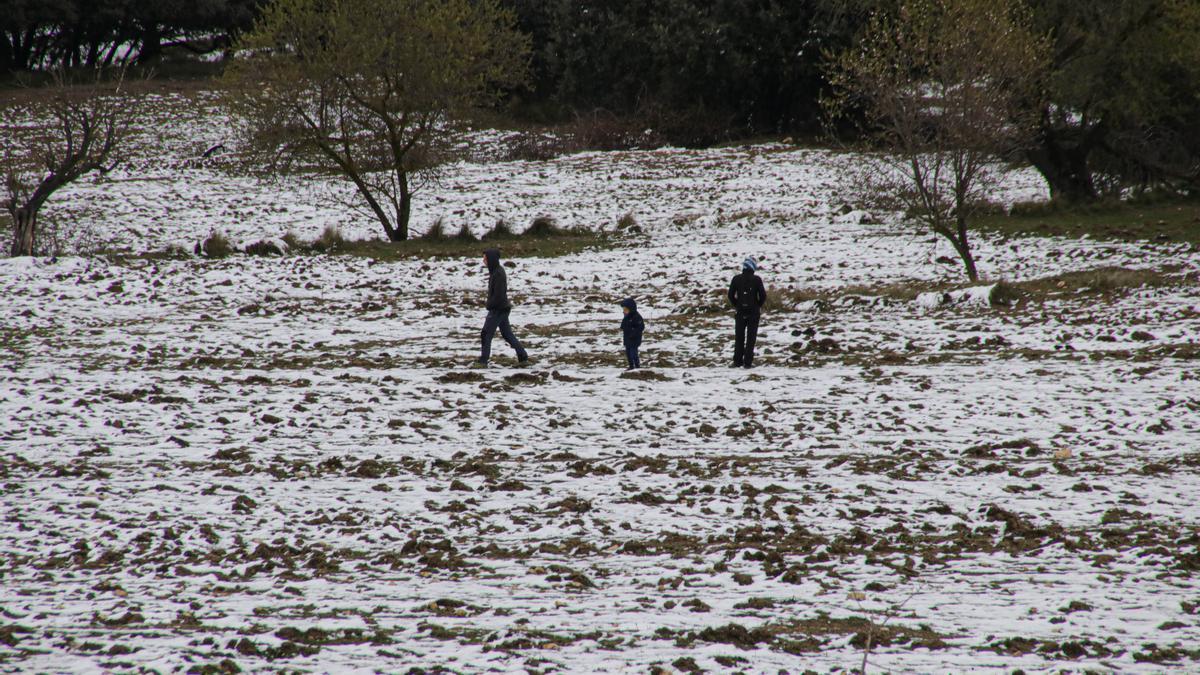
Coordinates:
629	303
492	255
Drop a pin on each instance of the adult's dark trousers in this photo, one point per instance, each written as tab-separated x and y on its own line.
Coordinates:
631	355
499	319
745	330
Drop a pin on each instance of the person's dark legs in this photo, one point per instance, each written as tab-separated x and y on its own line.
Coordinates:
751	338
507	333
637	358
486	335
739	340
631	355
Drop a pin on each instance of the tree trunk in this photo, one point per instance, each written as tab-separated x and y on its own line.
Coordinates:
401	231
24	225
1062	159
151	46
963	245
1066	172
969	262
7	52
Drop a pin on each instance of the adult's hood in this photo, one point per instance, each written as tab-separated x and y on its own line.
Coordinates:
492	255
630	303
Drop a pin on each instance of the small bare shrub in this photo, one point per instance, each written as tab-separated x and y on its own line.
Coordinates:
465	234
544	226
501	230
74	237
215	246
628	224
436	231
330	239
293	241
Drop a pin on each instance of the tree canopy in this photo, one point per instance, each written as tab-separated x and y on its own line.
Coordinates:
1122	105
1120	110
704	69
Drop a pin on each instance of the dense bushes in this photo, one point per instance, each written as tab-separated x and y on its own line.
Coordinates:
42	34
697	71
1120	107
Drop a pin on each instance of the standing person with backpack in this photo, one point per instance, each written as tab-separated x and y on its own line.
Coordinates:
498	309
747	295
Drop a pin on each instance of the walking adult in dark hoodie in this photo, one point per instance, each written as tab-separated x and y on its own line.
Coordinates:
498	308
632	327
747	295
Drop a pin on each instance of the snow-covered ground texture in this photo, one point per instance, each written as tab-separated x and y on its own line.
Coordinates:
286	463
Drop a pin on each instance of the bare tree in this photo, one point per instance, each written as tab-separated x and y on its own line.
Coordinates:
939	85
52	138
371	90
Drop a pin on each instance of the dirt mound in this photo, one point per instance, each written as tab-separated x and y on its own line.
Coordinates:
645	376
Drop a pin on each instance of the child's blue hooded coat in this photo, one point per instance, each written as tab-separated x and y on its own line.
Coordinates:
632	326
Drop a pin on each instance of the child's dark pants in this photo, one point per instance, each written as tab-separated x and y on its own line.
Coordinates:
631	354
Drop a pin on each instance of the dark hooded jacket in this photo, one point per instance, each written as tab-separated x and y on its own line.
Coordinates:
746	293
497	300
632	326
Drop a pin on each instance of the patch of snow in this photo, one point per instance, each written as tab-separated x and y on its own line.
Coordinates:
246	448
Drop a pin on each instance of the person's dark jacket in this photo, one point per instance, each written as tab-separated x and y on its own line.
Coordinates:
632	326
497	300
746	292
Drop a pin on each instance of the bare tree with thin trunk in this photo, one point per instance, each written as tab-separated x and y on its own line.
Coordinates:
940	86
53	137
372	91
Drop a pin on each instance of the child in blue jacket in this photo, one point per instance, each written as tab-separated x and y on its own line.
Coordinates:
632	327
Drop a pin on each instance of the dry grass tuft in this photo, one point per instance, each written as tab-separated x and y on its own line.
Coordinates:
544	226
330	240
217	245
436	231
1103	281
501	230
265	248
465	234
294	242
786	299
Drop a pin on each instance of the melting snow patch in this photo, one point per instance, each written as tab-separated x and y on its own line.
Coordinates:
19	265
978	296
857	217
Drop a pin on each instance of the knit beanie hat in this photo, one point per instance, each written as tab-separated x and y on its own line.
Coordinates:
750	263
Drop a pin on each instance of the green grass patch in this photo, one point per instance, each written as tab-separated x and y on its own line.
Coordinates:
539	241
567	242
1102	281
1175	221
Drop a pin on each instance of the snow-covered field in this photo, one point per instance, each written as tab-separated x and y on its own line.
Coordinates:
285	463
